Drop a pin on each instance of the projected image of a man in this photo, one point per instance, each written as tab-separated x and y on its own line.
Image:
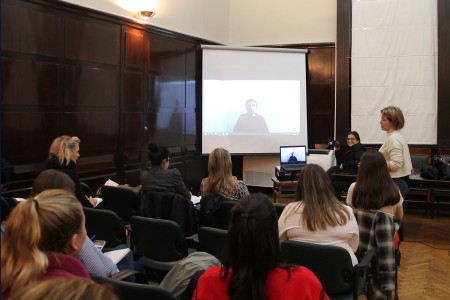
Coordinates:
292	157
251	122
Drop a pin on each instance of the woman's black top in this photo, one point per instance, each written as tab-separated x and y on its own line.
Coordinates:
53	163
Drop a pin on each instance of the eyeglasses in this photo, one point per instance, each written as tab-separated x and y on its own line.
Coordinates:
351	139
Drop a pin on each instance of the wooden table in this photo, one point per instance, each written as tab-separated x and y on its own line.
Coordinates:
283	190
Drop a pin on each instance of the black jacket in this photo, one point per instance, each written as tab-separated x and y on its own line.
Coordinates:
351	158
53	163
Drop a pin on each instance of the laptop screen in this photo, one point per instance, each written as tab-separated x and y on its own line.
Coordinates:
292	155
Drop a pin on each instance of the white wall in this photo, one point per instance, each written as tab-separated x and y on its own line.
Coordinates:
264	22
237	22
207	19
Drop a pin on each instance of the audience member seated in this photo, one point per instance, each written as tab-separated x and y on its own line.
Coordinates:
41	239
97	264
347	161
317	216
251	260
159	178
220	180
62	156
67	289
374	188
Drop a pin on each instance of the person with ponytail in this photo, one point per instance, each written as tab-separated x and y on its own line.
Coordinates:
41	239
159	178
251	260
62	156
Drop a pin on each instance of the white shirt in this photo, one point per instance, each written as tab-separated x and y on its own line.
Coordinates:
290	226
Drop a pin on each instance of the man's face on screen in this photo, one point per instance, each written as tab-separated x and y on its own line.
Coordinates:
251	107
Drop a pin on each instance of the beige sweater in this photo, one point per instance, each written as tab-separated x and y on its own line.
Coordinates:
395	150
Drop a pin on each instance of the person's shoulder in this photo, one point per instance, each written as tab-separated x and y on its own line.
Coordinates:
212	272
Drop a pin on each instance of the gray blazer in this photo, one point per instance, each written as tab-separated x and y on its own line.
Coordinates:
159	179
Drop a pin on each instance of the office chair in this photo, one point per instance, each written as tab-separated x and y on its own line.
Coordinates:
170	206
158	243
124	202
87	189
279	207
136	291
332	265
105	225
211	240
215	211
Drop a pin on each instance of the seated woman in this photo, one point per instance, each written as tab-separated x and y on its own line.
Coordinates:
251	260
62	156
67	289
347	162
374	188
317	216
220	180
97	264
41	239
159	177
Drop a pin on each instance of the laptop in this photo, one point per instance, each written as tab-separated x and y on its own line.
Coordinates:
293	158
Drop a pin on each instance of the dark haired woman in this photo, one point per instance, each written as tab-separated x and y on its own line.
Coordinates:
159	177
251	260
374	188
348	162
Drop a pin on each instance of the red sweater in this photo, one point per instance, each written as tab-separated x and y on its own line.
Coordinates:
302	284
63	265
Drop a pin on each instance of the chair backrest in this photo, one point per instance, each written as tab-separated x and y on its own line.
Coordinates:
279	207
136	291
212	240
124	202
215	211
157	239
418	160
331	264
170	206
105	225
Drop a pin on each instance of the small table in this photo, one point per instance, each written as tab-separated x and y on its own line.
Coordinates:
283	190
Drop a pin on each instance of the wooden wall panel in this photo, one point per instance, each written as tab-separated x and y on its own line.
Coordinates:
133	129
91	86
29	82
91	41
30	31
134	48
132	91
26	136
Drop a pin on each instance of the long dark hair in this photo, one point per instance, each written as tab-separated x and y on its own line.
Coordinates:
251	250
374	185
157	154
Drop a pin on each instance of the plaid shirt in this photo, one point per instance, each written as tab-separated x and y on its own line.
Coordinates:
376	231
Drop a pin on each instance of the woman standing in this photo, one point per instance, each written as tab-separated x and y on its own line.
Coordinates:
220	180
395	148
317	216
62	156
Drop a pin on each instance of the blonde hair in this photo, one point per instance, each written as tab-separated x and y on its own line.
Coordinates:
219	172
65	288
42	224
62	148
321	208
395	115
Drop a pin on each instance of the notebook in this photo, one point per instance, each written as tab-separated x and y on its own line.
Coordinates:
293	158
